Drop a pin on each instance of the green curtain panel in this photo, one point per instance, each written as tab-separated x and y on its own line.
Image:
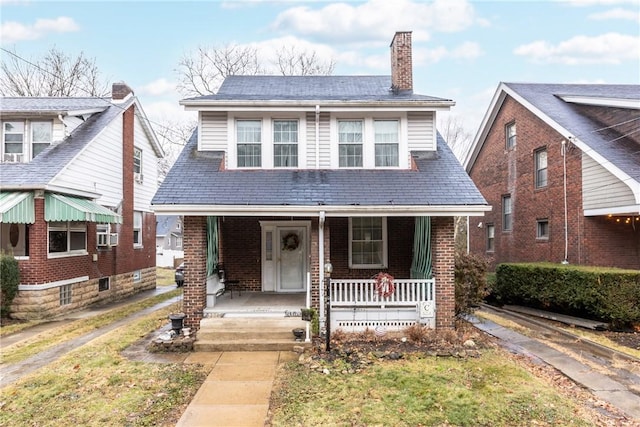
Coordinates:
212	245
421	264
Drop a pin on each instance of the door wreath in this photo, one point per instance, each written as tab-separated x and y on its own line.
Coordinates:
290	242
384	284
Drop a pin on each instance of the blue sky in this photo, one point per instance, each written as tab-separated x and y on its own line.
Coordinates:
462	49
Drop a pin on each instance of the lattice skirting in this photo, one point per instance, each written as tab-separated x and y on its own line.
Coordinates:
392	319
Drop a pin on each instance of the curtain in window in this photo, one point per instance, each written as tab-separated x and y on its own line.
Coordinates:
212	245
421	265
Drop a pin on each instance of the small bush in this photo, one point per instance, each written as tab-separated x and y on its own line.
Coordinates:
9	281
470	282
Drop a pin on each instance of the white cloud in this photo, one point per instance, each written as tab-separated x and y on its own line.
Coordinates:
582	3
617	13
610	48
376	19
11	32
161	112
159	87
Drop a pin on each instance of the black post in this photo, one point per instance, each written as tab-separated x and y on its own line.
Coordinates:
327	304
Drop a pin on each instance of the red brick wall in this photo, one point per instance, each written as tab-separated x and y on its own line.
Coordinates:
443	254
498	171
195	272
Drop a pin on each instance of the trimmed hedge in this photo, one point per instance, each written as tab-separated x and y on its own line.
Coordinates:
9	281
607	294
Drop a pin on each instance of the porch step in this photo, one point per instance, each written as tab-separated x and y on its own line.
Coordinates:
248	333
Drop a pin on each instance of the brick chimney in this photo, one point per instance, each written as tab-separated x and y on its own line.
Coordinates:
120	91
401	62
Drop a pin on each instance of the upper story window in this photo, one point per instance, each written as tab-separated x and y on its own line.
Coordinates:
510	132
387	142
67	238
285	143
350	143
367	242
541	167
13	141
507	219
137	160
249	137
41	137
22	141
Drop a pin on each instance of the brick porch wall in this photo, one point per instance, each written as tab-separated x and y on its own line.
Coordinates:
195	270
443	259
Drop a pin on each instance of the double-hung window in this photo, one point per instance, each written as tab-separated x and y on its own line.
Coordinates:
491	238
541	167
285	143
13	141
367	242
507	219
510	131
249	140
67	237
41	137
350	143
137	161
386	142
137	228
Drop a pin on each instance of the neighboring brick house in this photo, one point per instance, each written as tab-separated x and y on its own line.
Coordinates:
76	182
287	174
560	164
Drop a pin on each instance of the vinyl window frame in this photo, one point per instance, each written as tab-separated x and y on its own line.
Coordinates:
541	171
542	229
511	134
74	235
507	213
363	242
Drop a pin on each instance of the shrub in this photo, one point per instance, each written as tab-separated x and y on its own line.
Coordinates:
9	281
607	294
470	282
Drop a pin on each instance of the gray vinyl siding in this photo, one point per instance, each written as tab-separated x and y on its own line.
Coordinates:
213	131
421	131
601	189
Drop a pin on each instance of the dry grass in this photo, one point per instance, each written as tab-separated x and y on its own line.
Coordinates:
96	386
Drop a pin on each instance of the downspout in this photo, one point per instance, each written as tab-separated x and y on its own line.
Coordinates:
321	314
318	143
563	151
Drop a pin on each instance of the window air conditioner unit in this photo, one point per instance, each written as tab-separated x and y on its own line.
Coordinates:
138	177
13	157
113	239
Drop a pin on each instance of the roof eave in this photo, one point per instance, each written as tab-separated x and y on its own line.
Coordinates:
335	211
229	105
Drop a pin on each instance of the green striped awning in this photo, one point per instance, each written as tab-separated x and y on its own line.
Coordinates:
17	207
68	208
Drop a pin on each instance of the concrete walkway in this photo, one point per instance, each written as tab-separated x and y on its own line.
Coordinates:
237	390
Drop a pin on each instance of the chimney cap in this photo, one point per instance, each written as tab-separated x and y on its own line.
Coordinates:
120	91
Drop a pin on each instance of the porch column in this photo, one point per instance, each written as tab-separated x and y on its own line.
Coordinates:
444	270
195	276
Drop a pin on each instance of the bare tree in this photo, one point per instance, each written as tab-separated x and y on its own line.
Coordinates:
458	138
291	61
54	74
173	136
201	72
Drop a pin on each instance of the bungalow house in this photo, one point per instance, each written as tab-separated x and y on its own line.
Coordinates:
290	181
76	182
560	164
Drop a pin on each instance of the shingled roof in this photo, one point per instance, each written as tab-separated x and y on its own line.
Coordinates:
309	88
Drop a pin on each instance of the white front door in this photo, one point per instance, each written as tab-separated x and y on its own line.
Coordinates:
285	256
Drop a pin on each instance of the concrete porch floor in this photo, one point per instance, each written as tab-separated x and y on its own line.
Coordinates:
257	302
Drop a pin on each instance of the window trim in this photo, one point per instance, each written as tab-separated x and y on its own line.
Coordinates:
24	134
539	222
396	143
510	140
360	143
506	218
385	245
32	142
537	169
137	161
68	228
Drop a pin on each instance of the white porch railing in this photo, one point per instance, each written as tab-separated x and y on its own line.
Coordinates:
356	304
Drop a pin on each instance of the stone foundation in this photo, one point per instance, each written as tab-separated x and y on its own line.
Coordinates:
41	304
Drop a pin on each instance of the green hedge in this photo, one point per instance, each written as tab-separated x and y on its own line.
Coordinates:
607	294
9	281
